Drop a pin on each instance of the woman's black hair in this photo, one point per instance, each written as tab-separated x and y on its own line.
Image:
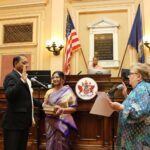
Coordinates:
60	73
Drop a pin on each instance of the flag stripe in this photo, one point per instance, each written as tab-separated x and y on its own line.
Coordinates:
72	43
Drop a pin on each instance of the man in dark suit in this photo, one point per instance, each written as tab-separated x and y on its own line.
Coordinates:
20	106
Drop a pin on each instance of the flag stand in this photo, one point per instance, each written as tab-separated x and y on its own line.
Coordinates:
122	61
135	38
72	44
84	59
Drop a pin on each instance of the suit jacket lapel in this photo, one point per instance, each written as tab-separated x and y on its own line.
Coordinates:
19	76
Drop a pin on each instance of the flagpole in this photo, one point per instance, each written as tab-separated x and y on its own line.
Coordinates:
84	59
122	61
135	38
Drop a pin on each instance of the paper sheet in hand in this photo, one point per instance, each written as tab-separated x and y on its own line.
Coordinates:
101	105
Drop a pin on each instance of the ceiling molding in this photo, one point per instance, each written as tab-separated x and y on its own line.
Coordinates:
10	3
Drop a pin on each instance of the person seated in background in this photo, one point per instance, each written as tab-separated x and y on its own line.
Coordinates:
59	102
95	64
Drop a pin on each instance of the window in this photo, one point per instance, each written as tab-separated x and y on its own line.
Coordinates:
15	33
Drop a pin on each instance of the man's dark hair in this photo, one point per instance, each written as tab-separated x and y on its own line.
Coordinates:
16	59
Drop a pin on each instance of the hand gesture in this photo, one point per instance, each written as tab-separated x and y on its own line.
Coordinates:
114	105
124	91
117	106
24	73
58	110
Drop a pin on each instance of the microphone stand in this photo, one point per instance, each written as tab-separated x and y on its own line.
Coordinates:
38	121
39	115
113	127
39	112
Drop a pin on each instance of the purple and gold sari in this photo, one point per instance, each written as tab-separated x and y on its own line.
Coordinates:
58	127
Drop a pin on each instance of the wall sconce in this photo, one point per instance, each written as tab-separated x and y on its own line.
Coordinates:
147	44
52	47
146	40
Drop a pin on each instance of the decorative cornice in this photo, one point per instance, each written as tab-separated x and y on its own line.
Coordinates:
101	1
8	3
103	22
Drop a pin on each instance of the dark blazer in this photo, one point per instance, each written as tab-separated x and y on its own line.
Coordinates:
19	107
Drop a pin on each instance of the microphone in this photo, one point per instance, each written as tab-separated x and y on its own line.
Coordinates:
38	82
79	72
115	88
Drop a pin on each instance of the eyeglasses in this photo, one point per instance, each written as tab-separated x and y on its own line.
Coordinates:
132	73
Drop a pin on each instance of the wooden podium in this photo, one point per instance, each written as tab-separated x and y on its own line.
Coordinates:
94	132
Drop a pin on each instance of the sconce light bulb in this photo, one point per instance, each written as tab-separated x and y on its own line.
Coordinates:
48	43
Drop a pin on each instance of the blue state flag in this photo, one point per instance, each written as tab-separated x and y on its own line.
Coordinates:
136	36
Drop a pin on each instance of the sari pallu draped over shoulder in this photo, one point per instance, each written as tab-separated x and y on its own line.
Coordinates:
64	98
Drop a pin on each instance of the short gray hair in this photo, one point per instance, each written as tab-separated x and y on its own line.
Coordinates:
142	69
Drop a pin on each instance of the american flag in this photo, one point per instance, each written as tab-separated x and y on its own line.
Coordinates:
72	43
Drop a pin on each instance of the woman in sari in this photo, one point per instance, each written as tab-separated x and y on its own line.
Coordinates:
59	103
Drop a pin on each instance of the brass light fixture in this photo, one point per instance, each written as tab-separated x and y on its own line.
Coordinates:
147	44
53	47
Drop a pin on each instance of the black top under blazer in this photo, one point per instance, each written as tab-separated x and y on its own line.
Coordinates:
19	107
